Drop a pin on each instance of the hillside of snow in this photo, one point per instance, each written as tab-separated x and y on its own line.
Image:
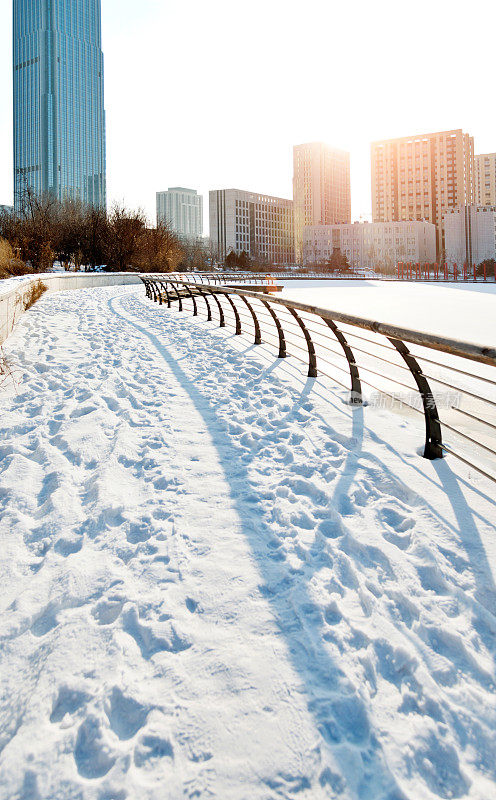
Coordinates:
221	581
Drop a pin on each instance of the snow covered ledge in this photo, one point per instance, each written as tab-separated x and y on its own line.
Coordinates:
13	290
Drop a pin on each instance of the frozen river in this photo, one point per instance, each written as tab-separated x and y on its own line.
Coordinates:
460	311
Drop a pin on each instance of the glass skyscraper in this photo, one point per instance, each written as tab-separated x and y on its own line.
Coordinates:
59	117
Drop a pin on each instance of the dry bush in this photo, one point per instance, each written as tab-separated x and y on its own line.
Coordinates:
10	266
6	255
6	371
35	291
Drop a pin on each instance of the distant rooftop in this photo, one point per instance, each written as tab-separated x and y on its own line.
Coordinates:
417	136
181	189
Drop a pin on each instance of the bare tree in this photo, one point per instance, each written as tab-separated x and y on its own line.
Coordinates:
160	249
36	229
126	231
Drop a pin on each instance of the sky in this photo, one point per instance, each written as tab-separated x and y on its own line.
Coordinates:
213	95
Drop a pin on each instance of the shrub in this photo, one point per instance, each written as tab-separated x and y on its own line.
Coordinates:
35	291
5	368
9	264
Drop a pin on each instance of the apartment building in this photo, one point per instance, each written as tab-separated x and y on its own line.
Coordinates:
470	233
371	244
321	188
485	179
182	209
420	177
258	224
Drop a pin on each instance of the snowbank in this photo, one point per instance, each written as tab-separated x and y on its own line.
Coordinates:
221	581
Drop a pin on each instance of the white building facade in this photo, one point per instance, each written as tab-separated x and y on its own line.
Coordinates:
257	224
470	234
182	209
371	244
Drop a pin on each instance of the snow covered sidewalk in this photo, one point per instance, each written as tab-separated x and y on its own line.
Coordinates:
219	581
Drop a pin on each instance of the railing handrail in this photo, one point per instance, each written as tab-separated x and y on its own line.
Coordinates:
456	347
163	287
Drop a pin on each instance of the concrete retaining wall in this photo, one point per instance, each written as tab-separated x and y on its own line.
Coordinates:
14	290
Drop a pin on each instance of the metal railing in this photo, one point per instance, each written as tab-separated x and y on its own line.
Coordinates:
396	363
405	272
253	278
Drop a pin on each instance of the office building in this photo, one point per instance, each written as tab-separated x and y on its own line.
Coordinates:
182	209
6	209
59	118
419	177
257	224
485	179
321	188
470	233
371	244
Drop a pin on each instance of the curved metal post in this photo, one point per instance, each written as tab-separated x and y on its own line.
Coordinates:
209	311
167	294
147	289
221	310
312	358
152	284
195	309
280	332
178	295
258	334
356	386
433	436
236	314
162	289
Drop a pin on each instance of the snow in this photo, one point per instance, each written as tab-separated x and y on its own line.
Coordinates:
458	310
219	580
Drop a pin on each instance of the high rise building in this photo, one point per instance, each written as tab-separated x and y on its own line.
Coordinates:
182	209
321	188
257	224
470	233
419	177
485	179
59	117
371	244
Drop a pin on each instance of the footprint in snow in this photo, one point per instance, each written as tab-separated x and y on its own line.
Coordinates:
151	749
107	611
439	765
402	542
83	412
93	756
68	701
331	528
150	642
126	715
191	605
397	520
332	614
139	532
67	547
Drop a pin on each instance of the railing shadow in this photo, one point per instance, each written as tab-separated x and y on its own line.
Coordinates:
336	706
